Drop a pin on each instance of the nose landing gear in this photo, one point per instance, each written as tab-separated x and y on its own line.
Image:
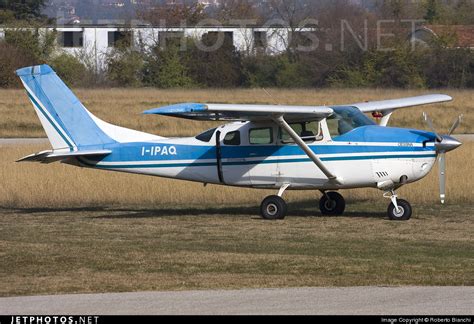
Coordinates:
399	209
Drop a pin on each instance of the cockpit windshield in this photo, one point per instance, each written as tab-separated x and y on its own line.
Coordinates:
206	136
346	119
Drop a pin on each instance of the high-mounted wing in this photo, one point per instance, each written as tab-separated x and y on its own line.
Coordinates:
242	112
231	112
391	105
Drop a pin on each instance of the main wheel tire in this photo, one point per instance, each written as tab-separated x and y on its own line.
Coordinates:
273	208
403	214
332	204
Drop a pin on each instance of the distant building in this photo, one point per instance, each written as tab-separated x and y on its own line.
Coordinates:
113	3
95	42
461	36
209	3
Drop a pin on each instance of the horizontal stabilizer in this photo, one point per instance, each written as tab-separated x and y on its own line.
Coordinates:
52	156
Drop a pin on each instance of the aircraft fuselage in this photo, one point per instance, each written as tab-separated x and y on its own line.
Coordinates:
365	157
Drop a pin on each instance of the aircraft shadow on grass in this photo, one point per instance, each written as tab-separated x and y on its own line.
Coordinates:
300	209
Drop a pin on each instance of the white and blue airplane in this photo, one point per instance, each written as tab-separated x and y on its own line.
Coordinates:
264	146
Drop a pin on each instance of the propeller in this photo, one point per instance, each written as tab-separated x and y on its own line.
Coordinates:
443	145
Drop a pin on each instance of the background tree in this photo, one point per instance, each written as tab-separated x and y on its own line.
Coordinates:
292	14
215	68
23	9
164	68
432	11
229	10
38	44
11	59
464	13
398	9
399	68
70	70
160	12
125	66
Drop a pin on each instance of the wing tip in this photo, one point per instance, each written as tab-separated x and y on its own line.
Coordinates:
445	97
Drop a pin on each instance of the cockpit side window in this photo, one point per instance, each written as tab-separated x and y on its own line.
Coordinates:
206	136
232	138
308	131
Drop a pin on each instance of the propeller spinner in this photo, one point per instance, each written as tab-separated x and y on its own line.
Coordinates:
444	144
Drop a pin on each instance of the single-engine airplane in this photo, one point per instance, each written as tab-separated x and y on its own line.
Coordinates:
263	146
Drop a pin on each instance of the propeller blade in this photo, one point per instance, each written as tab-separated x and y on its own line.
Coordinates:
442	177
456	124
430	125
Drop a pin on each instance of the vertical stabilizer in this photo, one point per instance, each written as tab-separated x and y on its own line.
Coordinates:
68	124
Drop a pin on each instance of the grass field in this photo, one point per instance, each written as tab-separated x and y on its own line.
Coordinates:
124	106
55	250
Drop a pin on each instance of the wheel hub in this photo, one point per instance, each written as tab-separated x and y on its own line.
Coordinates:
330	204
272	209
400	212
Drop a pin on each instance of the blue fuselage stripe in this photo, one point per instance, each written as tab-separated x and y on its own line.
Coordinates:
285	161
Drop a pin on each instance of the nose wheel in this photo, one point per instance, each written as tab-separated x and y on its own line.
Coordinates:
399	209
402	213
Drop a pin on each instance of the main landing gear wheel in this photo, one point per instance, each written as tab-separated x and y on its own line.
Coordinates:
273	208
403	213
332	204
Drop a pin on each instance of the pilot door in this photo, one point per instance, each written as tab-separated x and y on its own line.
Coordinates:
232	163
262	154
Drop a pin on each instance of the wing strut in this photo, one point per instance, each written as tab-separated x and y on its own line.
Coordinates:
283	124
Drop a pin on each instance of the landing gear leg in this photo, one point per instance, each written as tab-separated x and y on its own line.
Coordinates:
399	209
274	207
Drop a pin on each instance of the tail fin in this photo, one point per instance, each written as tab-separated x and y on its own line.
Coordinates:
68	124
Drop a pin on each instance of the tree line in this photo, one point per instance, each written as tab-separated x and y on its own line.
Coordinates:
360	62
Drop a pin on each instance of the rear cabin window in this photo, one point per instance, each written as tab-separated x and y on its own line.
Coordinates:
261	136
232	138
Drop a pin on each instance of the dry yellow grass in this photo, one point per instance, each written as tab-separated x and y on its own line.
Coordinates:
123	107
32	185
